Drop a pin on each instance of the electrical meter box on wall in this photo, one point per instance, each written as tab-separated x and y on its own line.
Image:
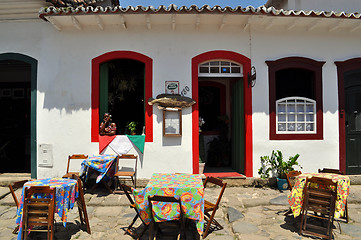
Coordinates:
45	155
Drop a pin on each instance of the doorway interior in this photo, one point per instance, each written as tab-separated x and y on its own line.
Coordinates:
221	117
15	105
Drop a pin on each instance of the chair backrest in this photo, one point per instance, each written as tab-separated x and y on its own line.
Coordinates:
319	202
166	199
218	182
330	170
124	158
291	175
38	210
128	191
320	195
15	186
72	158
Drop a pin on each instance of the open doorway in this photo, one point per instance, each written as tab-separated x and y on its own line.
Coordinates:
15	107
221	125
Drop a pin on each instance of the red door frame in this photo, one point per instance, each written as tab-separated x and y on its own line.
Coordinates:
342	67
95	89
246	63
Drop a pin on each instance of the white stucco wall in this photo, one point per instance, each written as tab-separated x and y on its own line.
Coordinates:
319	46
64	85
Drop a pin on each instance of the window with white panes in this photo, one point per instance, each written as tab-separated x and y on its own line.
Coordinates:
220	68
296	115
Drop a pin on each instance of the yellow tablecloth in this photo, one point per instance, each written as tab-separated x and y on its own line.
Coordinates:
295	198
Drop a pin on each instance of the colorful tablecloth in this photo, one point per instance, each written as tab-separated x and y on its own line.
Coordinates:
66	194
188	187
295	198
103	164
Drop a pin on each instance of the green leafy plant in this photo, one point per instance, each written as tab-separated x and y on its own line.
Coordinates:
276	165
132	126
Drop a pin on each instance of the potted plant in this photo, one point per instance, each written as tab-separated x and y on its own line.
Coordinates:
132	127
278	167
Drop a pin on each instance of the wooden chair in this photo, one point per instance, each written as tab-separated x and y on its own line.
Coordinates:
126	172
321	201
330	170
290	176
71	158
211	207
13	187
336	171
83	214
38	213
157	220
128	191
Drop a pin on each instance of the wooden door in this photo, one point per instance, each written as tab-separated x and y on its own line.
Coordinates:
238	126
353	121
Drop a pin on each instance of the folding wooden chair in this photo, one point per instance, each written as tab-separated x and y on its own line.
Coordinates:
337	171
83	214
321	202
13	187
211	207
290	176
78	157
38	213
126	172
157	220
128	191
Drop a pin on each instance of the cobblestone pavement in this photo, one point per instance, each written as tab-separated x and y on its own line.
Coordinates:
245	213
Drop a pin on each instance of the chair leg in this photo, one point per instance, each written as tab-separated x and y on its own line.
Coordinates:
16	229
346	213
131	225
151	230
289	211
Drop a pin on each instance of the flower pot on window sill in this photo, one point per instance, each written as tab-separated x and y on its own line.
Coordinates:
201	167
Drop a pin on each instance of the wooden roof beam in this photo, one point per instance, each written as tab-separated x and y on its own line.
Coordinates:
75	22
99	22
224	18
292	25
355	27
54	23
122	22
269	24
198	21
335	26
313	24
173	21
246	24
148	22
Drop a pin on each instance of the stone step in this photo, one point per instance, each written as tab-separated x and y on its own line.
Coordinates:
9	178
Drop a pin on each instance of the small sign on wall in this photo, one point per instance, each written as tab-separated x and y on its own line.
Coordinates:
172	87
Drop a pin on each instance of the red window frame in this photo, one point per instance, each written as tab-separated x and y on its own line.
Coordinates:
95	89
303	63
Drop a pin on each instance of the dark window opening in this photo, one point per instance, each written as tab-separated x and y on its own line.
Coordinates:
295	82
122	93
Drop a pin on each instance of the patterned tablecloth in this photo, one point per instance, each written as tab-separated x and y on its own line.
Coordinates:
188	187
103	164
295	198
66	194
